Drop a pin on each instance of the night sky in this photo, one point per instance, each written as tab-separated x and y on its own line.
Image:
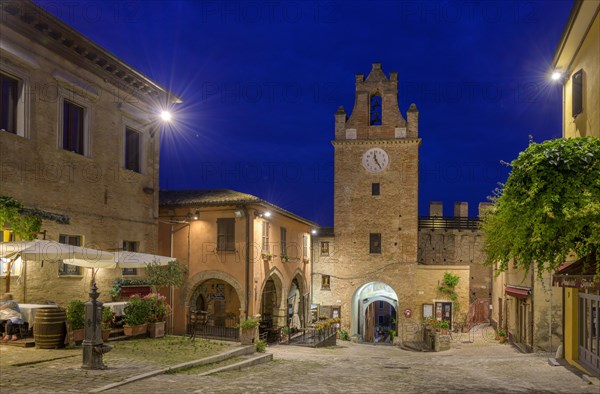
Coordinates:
261	82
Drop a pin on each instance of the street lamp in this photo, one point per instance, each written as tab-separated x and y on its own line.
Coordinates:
165	116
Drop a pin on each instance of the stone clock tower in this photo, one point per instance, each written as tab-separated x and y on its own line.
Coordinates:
376	204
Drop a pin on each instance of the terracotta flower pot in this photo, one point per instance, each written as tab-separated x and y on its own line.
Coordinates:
135	330
156	330
78	335
105	334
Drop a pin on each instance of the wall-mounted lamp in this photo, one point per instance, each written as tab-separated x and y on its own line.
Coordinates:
557	75
194	216
262	214
313	231
238	213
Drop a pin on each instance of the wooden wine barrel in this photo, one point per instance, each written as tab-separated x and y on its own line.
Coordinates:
50	328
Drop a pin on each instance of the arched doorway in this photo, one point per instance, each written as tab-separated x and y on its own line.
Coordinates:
272	309
214	309
374	307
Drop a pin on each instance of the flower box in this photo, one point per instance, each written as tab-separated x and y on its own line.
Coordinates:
132	331
129	290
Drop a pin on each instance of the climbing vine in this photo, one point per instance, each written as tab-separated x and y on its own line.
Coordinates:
549	207
24	225
448	287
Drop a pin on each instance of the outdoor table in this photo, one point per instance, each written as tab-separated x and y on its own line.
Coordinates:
118	308
28	311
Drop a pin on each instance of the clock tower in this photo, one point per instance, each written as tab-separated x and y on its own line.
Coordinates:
376	205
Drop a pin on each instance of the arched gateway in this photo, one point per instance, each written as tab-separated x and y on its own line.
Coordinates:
374	307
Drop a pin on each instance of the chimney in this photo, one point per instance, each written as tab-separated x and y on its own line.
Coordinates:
461	209
484	207
436	208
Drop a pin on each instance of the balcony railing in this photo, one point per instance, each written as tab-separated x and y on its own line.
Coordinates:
449	222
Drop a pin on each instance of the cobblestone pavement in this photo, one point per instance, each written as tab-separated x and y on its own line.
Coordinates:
481	366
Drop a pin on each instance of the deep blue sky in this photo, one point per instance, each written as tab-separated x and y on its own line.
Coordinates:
261	82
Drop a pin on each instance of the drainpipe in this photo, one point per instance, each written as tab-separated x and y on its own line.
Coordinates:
247	214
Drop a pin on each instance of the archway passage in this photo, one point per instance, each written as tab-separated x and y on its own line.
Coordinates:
374	307
215	308
380	321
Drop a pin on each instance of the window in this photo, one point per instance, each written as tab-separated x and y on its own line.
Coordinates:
375	115
380	320
13	102
325	282
577	104
375	243
374	189
305	246
380	304
73	127
132	150
283	241
265	236
9	99
130	246
226	235
324	248
68	269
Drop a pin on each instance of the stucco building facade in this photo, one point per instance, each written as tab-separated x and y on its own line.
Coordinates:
245	256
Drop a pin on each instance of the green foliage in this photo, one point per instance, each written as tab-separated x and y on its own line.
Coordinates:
137	311
501	332
159	309
248	323
172	274
76	314
25	226
549	207
107	317
451	280
444	325
343	334
393	334
261	346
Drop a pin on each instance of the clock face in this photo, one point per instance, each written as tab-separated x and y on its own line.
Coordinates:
375	160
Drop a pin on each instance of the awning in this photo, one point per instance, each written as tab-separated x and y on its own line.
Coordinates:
579	274
517	292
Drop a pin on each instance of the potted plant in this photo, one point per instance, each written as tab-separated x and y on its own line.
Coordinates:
266	256
444	326
157	318
248	328
285	258
107	317
502	335
137	312
76	319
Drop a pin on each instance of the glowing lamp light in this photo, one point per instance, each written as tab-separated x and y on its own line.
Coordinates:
313	231
165	116
267	214
556	75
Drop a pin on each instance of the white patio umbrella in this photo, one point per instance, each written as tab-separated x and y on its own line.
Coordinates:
39	250
42	250
123	259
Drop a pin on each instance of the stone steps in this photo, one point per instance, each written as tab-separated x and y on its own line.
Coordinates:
247	356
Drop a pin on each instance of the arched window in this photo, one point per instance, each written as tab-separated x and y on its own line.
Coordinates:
375	111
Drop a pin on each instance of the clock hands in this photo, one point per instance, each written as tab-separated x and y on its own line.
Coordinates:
376	161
